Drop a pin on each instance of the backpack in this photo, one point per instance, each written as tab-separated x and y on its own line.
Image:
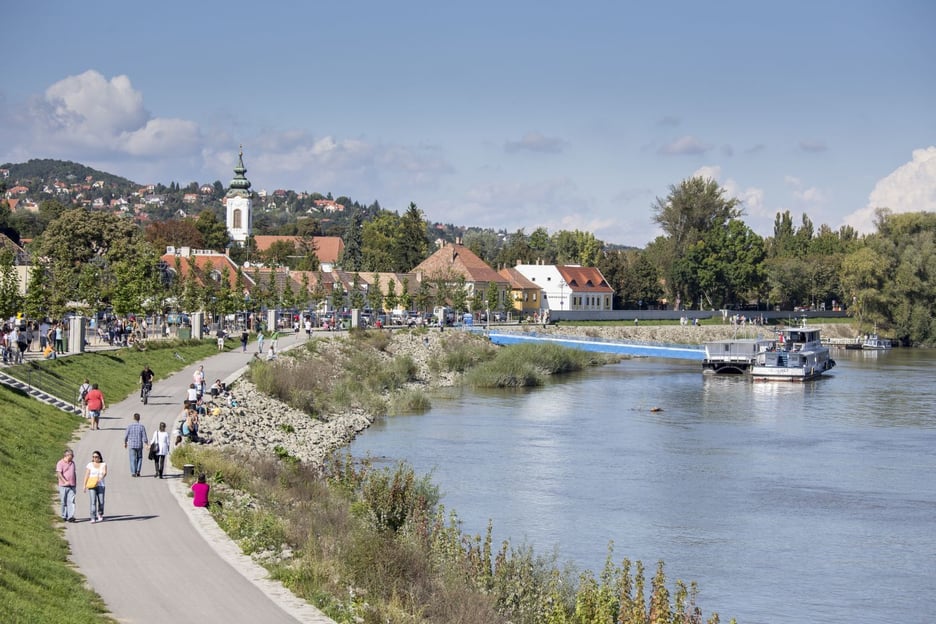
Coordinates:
84	392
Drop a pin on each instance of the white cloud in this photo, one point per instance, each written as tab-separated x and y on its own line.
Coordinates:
812	196
909	188
685	145
353	167
88	115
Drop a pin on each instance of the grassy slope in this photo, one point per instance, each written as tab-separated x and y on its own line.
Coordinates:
37	582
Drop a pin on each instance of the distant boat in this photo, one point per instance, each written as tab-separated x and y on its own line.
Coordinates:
799	355
870	342
873	342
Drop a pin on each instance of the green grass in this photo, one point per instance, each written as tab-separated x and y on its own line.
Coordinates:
37	581
117	372
530	364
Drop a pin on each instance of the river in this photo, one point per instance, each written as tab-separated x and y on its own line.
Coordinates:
787	503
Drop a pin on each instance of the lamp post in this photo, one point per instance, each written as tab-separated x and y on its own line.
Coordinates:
562	294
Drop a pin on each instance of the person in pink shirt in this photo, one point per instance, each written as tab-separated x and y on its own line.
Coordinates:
200	491
65	471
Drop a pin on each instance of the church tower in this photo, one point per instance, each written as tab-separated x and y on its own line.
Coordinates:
238	204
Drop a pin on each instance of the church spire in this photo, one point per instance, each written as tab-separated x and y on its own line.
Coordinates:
240	185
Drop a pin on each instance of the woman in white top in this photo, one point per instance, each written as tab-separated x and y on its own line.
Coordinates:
94	485
161	440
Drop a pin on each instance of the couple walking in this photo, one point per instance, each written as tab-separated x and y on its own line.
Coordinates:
136	440
93	484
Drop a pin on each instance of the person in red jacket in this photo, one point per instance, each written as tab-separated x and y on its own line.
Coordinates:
95	402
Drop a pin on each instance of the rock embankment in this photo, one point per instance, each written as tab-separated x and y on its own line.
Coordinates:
256	422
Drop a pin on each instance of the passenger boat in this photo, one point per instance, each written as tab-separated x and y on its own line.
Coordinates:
798	355
734	356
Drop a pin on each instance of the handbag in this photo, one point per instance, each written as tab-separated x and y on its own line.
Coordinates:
91	483
154	450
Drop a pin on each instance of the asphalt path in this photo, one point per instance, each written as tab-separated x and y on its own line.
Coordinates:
156	558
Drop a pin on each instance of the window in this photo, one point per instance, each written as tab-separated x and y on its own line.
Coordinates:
237	219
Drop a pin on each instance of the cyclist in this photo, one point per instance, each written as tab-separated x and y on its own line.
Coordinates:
146	383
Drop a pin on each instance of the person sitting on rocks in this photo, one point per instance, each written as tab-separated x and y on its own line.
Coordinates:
217	389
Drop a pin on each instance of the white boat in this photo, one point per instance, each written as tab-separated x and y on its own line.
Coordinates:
873	342
799	355
734	356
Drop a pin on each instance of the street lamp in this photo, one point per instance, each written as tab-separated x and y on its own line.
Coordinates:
562	294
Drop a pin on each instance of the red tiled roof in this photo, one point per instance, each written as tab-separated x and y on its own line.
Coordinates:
584	279
459	260
517	279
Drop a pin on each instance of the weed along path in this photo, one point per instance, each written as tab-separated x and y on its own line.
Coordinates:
155	557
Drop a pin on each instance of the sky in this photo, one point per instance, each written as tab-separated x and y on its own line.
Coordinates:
508	115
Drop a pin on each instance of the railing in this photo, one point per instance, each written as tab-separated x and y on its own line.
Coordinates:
36	376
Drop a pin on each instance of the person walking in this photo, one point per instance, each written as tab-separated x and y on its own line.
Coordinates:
67	482
199	379
96	404
83	391
260	341
95	472
134	440
244	338
160	447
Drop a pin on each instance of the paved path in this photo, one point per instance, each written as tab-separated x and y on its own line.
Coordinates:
156	558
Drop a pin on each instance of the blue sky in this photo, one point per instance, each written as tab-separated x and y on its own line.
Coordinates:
507	115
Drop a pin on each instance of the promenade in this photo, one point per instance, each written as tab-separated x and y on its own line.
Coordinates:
156	558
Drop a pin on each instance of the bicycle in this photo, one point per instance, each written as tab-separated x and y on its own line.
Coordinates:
144	395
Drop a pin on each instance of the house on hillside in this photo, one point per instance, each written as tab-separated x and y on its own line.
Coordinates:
454	262
569	287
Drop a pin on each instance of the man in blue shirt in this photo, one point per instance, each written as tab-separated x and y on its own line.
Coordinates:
135	439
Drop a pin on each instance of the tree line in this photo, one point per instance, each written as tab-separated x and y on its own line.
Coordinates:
706	257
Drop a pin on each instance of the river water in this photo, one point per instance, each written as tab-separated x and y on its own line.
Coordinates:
787	503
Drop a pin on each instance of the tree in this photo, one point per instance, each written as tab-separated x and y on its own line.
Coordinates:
353	251
391	300
493	296
10	299
378	237
357	294
307	249
423	298
459	295
279	253
406	299
633	277
516	250
374	295
692	209
81	249
338	295
174	232
213	230
410	246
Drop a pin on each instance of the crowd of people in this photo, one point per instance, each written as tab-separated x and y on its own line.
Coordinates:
19	337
